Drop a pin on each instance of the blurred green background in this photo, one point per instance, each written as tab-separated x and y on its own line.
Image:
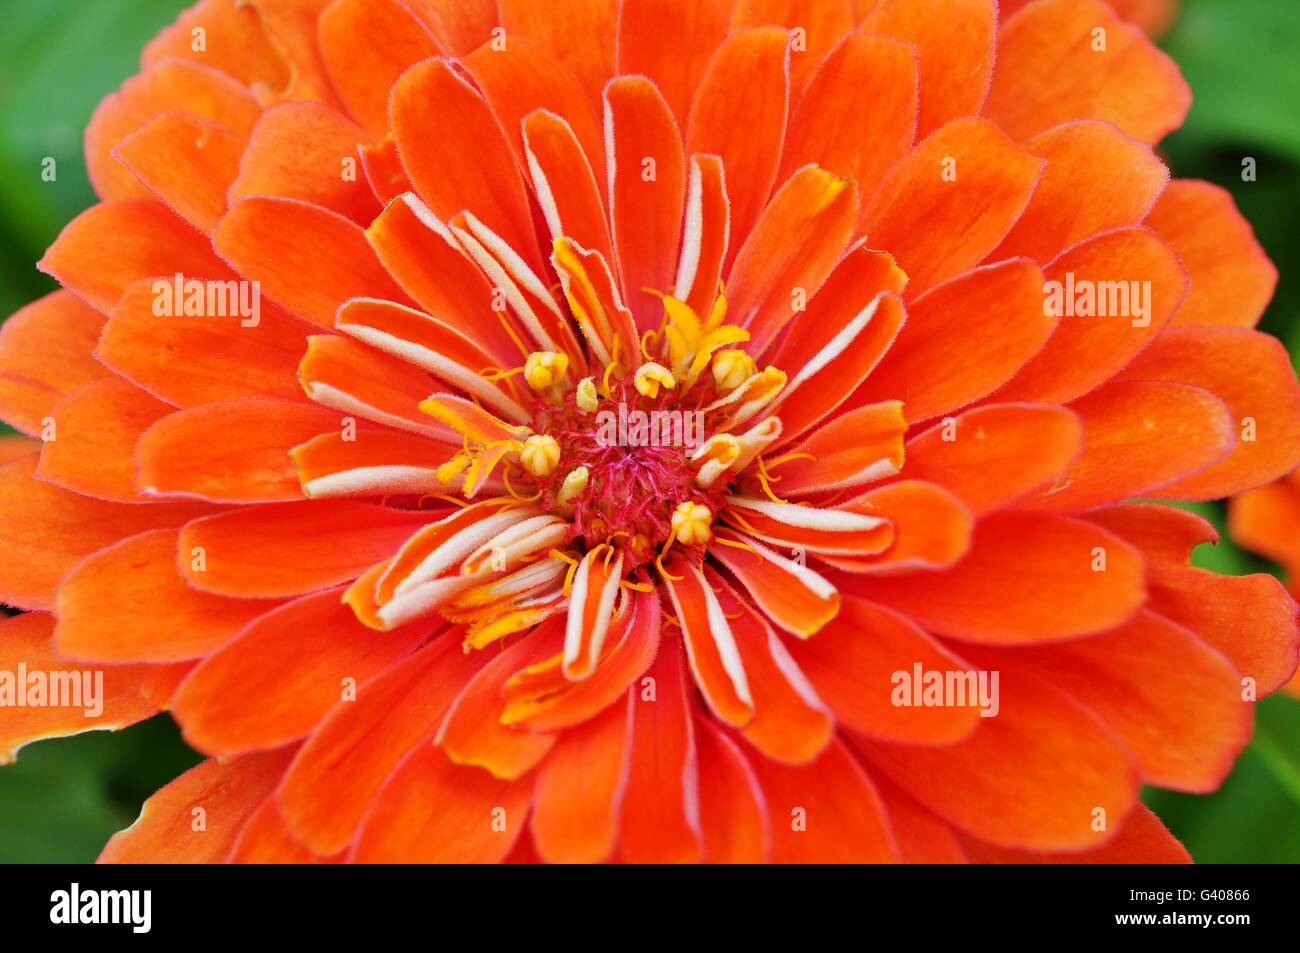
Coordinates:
63	798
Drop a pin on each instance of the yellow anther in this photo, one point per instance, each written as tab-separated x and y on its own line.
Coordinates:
691	523
573	485
587	397
540	455
731	368
545	369
650	377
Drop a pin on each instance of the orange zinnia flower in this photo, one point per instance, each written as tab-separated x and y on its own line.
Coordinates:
587	486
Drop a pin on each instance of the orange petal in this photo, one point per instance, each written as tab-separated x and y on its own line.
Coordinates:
938	365
922	837
1070	578
793	596
1063	762
15	447
99	602
424	258
1252	374
746	86
1097	178
822	530
461	26
835	374
472	733
358	380
223	793
858	446
423	341
823	23
1266	520
187	161
265	840
298	661
647	190
825	812
856	281
790	722
955	40
110	245
287	549
797	241
372	462
565	184
107	697
165	86
580	788
706	234
867	84
1092	342
1142	840
853	662
45	353
1138	436
711	649
469	165
363	741
733	817
1175	701
236	43
522	77
672	42
932	528
292	28
1060	60
1232	278
366	45
48	530
1250	619
431	810
92	443
995	454
580	34
308	259
637	641
225	356
234	451
660	815
307	151
951	200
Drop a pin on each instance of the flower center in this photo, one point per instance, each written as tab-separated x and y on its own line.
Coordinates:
620	468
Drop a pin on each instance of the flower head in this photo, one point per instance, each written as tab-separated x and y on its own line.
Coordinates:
667	430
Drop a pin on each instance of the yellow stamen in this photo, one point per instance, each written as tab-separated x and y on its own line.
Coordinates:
734	544
691	523
786	458
505	478
574	484
587	398
650	377
442	496
573	569
731	368
637	586
545	369
540	454
505	323
767	487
